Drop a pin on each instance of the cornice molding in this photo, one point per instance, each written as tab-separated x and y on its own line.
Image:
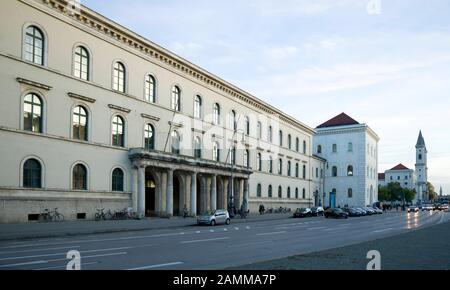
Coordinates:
114	107
82	98
146	116
120	34
34	84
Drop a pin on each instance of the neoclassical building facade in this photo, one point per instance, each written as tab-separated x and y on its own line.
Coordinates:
95	116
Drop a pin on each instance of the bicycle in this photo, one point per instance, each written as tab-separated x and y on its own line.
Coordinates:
101	215
51	216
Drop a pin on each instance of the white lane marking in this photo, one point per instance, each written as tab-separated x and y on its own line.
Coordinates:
156	266
335	229
211	231
225	230
97	240
64	267
317	228
273	233
247	228
206	240
59	254
23	264
39	250
93	256
250	244
198	232
383	230
237	229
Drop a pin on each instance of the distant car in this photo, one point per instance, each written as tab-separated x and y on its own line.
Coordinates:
214	217
352	212
363	211
443	207
413	209
377	210
317	211
303	212
335	213
428	207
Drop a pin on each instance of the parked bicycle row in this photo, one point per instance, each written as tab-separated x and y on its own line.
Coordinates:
124	214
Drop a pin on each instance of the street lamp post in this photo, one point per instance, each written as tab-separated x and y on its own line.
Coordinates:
231	205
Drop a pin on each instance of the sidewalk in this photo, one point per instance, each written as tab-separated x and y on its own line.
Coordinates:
51	230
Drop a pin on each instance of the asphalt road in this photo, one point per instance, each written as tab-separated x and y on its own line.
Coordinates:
198	248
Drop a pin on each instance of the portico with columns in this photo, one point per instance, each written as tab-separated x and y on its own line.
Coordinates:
165	183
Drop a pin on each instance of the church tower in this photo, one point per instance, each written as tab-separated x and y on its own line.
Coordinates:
421	170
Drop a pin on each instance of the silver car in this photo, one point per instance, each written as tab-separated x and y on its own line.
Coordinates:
215	217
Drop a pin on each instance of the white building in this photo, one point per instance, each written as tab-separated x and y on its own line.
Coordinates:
401	174
351	151
95	116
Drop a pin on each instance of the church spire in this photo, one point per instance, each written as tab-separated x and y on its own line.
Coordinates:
420	140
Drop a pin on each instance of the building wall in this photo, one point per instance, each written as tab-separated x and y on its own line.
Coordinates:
57	150
364	164
404	177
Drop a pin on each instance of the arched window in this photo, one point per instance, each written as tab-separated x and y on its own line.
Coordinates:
176	99
334	171
119	77
32	113
270	165
259	131
246	158
304	194
297	145
34	45
280	166
32	174
350	193
118	136
270	134
216	152
304	147
197	148
297	170
150	89
81	63
80	123
319	149
350	147
258	190
280	192
117	180
304	171
79	177
289	192
296	193
149	137
269	191
176	142
259	161
289	168
289	141
281	138
350	170
216	114
247	126
198	107
233	120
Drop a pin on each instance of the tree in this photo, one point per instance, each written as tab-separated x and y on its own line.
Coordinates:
432	195
409	194
383	194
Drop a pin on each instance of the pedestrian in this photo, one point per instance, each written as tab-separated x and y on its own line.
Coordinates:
185	212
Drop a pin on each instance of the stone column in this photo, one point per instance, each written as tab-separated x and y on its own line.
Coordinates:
208	193
187	191
246	193
214	192
194	194
141	192
163	200
225	192
169	197
134	184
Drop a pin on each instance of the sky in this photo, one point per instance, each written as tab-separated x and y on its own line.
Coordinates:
385	63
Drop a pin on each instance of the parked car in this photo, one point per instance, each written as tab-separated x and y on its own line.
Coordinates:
335	213
214	217
352	212
317	211
303	212
377	210
413	209
370	211
428	207
363	211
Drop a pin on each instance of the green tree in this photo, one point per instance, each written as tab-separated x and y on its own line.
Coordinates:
409	194
383	194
